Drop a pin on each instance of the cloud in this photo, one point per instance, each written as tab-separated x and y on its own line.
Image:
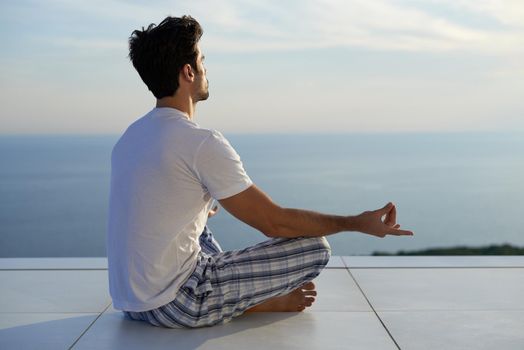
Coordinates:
379	25
438	65
254	26
507	12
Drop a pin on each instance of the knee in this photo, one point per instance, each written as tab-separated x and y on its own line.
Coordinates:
323	250
325	244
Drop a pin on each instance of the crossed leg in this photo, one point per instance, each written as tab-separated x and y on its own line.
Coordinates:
297	300
274	275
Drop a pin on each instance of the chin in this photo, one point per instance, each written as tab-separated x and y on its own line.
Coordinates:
204	96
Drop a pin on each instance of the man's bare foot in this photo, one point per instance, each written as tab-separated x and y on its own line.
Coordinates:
297	300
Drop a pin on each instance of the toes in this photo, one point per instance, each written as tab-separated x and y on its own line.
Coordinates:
310	292
310	301
308	286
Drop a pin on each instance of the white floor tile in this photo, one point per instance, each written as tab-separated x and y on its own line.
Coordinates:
41	330
456	329
433	261
54	291
443	289
424	308
335	262
320	330
338	292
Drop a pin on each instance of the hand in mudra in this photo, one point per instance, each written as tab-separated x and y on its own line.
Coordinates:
371	222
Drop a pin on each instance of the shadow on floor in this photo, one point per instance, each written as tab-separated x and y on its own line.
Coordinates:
114	331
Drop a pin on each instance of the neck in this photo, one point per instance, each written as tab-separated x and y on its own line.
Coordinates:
183	104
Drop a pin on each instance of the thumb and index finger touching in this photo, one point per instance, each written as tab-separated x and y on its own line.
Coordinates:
385	209
391	220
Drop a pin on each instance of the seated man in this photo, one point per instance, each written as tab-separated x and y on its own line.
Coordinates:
165	267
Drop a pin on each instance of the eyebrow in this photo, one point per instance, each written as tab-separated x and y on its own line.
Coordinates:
203	57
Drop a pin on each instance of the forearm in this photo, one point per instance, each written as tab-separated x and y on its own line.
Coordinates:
305	223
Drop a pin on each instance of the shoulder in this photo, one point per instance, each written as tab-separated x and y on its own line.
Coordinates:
216	145
216	139
186	132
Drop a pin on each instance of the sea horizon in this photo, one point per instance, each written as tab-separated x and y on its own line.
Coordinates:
451	188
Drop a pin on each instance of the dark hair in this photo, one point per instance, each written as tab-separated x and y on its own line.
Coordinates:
159	52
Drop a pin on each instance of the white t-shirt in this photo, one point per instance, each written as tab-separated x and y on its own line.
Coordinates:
165	172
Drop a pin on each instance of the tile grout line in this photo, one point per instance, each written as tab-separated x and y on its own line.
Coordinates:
436	267
88	327
327	267
308	311
371	306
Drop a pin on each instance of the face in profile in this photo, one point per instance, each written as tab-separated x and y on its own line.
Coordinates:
201	83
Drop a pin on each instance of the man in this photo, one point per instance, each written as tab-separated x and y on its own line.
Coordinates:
165	267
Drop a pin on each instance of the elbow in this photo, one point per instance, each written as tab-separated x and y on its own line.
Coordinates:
273	229
271	232
280	232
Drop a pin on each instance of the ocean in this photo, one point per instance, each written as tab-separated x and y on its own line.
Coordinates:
450	188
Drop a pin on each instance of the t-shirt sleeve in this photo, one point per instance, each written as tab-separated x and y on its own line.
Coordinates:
219	168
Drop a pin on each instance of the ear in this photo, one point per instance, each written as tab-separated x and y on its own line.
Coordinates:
187	73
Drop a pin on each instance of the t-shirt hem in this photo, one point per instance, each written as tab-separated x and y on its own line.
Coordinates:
141	307
123	306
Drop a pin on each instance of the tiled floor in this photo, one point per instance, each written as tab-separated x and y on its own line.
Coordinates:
362	303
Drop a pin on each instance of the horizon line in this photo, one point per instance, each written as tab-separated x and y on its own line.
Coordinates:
298	133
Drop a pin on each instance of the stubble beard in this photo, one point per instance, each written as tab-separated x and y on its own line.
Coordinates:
203	94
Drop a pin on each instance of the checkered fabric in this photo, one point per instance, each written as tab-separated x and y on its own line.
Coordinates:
225	284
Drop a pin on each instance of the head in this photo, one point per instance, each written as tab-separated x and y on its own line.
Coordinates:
168	59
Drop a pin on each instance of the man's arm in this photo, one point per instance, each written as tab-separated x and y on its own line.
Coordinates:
256	209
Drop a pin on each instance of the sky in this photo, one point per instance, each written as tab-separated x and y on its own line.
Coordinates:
327	66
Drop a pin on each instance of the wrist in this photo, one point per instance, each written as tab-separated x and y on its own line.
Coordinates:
351	223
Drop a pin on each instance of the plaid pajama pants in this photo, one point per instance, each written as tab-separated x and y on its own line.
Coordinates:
225	284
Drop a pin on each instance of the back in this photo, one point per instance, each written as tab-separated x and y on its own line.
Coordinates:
165	170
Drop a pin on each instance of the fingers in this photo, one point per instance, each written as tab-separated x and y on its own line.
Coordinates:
397	232
393	214
391	217
391	221
386	208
